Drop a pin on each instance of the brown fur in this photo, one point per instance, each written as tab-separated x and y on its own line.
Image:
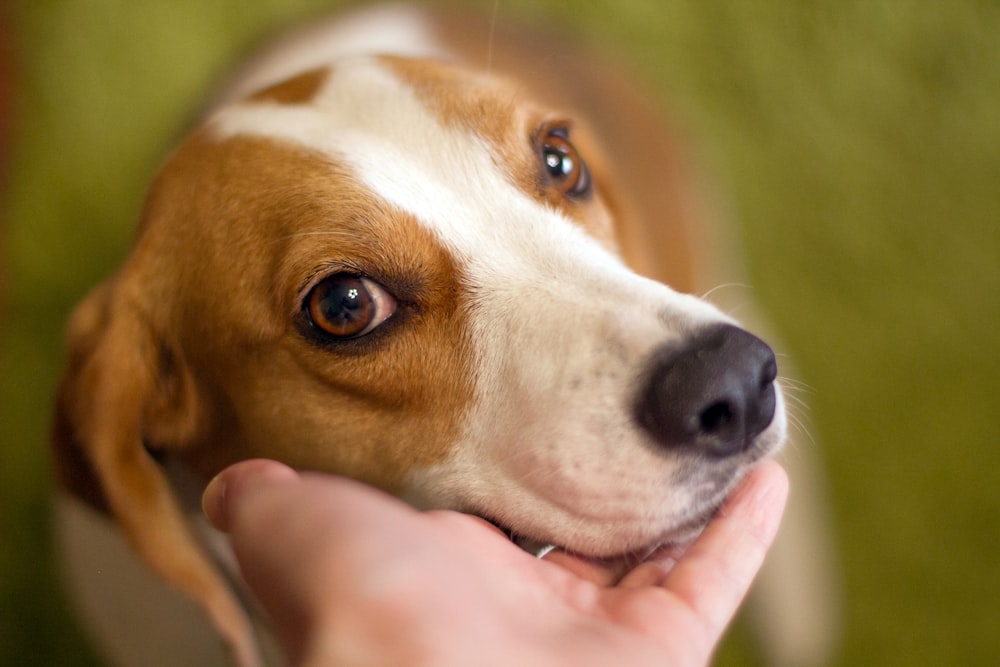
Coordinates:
192	349
298	90
501	115
186	352
643	169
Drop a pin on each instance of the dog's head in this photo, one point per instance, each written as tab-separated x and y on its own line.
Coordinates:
407	273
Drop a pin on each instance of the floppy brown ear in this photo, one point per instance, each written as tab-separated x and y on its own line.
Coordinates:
120	381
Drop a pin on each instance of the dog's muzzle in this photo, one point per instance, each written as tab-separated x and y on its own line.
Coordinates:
714	394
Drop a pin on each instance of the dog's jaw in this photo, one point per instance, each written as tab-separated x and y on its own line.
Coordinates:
602	494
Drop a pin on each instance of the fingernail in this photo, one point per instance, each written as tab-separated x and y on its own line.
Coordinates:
213	502
231	486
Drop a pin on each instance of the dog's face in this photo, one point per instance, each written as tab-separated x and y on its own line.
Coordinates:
405	272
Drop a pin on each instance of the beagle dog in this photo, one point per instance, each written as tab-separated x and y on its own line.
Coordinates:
452	261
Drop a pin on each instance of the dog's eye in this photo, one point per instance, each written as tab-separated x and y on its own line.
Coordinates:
348	306
563	165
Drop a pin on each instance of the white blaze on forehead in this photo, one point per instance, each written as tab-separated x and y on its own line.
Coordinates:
396	29
365	118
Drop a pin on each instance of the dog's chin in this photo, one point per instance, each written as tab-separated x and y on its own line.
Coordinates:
618	546
618	554
672	539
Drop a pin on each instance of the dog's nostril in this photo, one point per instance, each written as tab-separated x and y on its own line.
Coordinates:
716	417
713	395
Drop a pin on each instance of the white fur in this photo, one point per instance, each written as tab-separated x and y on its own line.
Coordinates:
397	29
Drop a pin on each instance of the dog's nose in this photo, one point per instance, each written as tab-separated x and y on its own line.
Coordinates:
714	394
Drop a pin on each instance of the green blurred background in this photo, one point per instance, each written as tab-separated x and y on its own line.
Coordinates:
858	147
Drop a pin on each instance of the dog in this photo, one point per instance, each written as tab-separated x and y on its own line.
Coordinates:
452	261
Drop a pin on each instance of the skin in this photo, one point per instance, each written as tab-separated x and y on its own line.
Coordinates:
351	576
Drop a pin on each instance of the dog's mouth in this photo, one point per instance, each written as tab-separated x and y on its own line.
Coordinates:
674	539
619	543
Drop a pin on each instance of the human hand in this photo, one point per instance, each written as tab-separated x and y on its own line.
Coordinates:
351	576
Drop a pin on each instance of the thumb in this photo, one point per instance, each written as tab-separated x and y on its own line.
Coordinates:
228	489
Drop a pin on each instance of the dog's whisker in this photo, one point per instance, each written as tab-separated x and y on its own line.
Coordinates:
491	36
799	427
797	386
795	402
720	287
796	407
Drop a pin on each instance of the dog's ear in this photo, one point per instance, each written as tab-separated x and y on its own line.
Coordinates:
123	382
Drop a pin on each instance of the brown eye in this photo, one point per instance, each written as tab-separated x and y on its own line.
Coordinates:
347	306
563	165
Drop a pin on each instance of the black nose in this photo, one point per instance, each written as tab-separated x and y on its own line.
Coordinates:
714	394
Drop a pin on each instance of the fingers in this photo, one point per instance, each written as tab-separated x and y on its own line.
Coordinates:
714	575
230	486
284	529
594	571
737	538
248	501
654	570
